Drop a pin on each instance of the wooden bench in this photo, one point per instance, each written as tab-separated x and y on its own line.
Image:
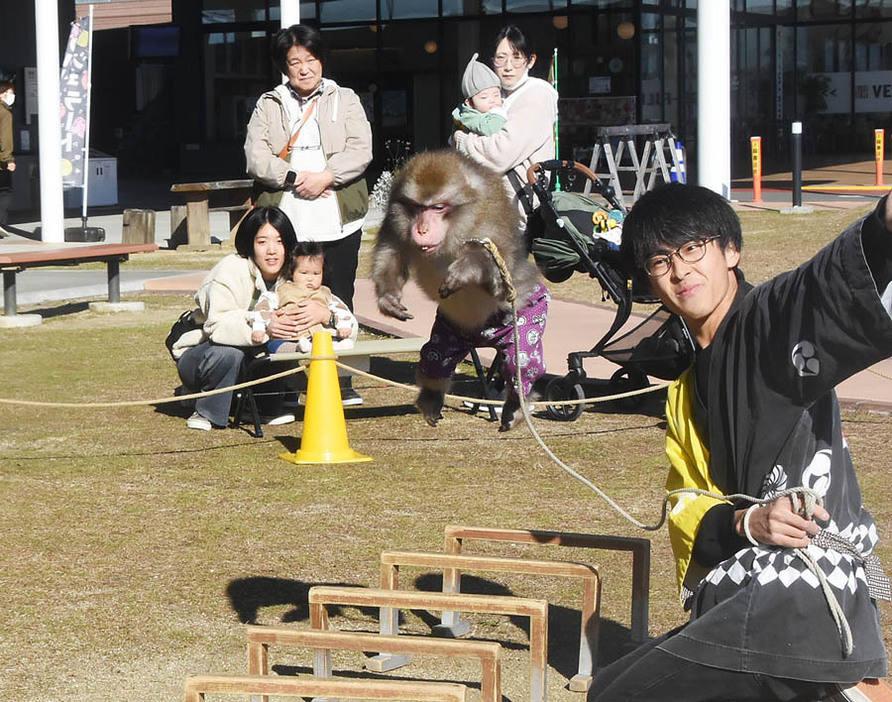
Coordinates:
110	254
390	602
358	357
591	587
260	638
236	200
640	549
198	686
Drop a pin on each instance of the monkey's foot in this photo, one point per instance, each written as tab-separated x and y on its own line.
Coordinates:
430	403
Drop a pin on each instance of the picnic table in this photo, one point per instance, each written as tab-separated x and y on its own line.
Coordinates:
233	196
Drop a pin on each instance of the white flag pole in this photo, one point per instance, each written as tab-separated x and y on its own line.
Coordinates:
50	121
87	132
289	12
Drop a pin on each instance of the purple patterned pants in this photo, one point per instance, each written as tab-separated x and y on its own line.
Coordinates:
449	345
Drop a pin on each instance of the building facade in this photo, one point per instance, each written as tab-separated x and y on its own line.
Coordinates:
176	96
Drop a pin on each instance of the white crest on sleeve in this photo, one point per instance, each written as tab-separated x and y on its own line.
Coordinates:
817	473
804	360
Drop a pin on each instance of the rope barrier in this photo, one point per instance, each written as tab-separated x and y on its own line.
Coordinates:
882	375
302	369
162	401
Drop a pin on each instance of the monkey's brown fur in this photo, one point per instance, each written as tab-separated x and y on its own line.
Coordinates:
461	277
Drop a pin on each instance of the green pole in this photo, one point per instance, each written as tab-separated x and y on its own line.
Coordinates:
554	82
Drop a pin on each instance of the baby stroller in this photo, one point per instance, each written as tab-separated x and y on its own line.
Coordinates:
569	232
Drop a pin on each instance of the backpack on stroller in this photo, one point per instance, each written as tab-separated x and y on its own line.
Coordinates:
568	232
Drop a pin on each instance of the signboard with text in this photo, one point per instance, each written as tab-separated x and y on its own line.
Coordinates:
75	86
873	92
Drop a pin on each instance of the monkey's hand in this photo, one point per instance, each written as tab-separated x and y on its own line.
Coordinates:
389	304
473	270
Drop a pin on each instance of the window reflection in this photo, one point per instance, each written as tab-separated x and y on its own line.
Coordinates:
823	9
873	47
604	4
759	7
236	66
873	8
332	11
408	9
218	11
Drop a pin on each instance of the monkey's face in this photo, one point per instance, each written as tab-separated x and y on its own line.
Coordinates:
429	226
432	193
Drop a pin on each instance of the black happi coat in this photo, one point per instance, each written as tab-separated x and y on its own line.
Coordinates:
770	419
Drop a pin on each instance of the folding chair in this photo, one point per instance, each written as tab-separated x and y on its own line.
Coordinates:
491	382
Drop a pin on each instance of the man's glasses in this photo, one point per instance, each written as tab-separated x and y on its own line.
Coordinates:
517	60
689	252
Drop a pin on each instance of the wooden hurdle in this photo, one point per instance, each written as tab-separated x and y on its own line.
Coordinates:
451	623
591	587
197	686
391	601
260	638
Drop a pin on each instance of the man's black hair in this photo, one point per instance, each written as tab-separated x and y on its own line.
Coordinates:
296	35
674	214
255	219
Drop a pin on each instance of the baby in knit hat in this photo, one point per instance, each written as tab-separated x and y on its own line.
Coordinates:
481	112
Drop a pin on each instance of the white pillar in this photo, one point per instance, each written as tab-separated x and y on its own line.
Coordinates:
52	211
290	12
714	96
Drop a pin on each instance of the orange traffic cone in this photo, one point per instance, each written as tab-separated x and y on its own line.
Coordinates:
325	431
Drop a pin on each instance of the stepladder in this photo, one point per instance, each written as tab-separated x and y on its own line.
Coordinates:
634	158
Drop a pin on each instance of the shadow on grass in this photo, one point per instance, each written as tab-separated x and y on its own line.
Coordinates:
58	310
563	624
247	596
371	675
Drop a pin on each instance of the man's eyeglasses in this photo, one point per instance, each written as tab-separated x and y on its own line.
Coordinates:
517	60
689	252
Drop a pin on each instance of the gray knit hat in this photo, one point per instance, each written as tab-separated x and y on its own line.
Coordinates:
478	76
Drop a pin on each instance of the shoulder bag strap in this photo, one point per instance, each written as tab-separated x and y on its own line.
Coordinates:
283	154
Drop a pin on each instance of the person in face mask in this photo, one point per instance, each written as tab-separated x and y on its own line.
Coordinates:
531	106
7	161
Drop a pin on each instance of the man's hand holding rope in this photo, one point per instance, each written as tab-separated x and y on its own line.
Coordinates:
777	523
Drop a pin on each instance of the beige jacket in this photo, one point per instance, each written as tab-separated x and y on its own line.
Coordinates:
225	299
346	141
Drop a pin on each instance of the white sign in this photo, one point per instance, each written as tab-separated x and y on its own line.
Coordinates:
30	93
599	85
873	92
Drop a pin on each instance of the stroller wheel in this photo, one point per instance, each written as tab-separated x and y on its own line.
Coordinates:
563	389
626	379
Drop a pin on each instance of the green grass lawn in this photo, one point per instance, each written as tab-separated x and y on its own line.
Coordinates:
134	550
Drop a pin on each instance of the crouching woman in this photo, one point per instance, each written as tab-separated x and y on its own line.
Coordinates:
211	357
